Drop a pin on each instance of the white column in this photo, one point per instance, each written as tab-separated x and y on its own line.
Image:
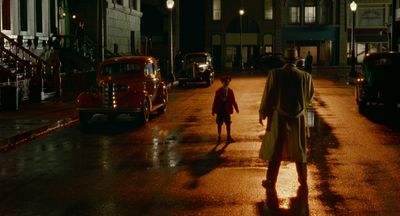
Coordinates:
15	27
31	14
46	17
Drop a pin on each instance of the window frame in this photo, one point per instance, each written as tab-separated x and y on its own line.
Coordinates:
294	14
268	10
216	10
310	18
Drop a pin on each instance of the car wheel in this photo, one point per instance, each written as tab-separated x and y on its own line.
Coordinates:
144	115
362	107
163	109
210	80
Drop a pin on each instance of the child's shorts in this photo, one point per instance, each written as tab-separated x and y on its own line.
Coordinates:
223	118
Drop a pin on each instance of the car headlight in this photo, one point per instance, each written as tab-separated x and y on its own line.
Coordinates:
202	67
360	79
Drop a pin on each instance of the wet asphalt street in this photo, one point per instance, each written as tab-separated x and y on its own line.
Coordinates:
174	165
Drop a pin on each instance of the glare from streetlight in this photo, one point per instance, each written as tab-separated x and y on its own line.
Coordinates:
241	12
353	6
170	4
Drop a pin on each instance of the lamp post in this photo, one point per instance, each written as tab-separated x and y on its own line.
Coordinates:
241	12
170	6
353	8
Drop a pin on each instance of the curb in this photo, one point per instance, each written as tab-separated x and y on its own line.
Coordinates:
31	134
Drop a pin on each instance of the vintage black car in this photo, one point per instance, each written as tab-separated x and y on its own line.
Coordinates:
378	84
269	61
197	67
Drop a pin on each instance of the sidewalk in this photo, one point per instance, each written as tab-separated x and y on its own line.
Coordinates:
33	120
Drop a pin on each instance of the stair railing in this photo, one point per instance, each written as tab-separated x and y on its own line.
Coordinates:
41	72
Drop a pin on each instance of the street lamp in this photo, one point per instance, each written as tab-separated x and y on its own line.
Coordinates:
241	12
353	8
170	6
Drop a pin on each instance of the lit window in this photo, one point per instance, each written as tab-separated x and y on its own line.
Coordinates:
216	9
268	43
309	14
268	11
294	14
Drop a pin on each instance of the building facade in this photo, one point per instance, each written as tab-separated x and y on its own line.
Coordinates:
115	22
33	20
322	27
372	27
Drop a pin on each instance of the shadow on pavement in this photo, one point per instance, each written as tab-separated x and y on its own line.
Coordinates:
206	164
296	206
319	145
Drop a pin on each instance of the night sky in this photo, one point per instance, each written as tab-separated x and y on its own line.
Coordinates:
192	25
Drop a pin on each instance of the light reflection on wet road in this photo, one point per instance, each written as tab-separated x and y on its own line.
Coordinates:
174	165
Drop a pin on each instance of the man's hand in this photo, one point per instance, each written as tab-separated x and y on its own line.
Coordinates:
261	121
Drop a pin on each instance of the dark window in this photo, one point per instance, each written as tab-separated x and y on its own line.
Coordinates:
23	6
120	2
325	12
121	69
132	4
53	18
39	13
6	15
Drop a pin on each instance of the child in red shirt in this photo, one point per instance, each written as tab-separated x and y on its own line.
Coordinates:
223	105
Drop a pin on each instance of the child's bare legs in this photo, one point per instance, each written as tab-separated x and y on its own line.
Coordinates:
219	128
228	130
228	133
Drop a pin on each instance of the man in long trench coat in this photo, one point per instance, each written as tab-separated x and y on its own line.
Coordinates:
287	93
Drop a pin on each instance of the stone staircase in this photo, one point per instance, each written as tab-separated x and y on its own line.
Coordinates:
31	76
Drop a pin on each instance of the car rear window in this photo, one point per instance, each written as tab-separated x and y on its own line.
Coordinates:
120	69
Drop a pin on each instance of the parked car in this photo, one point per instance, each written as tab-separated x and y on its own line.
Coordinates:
197	67
269	61
378	84
128	84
